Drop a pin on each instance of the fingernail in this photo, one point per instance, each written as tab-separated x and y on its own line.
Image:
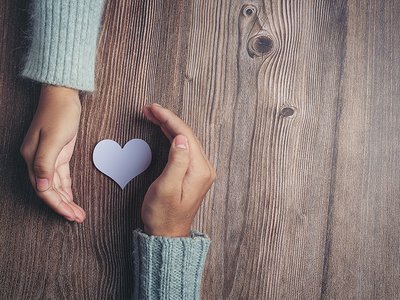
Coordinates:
69	218
181	142
156	104
42	184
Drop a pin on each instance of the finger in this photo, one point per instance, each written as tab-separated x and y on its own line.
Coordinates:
149	115
201	167
174	125
178	162
163	117
45	159
58	184
55	201
46	198
80	214
65	154
64	175
63	172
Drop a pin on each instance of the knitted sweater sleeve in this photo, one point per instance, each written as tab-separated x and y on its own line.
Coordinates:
63	42
168	267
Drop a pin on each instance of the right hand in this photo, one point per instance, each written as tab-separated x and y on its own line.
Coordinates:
48	147
172	200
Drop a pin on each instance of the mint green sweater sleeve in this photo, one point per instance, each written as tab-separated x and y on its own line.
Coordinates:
168	267
63	42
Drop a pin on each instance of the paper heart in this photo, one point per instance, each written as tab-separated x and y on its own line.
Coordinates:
122	164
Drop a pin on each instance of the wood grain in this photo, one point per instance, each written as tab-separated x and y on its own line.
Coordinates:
363	258
296	104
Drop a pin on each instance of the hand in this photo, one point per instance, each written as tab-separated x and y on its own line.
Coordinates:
172	200
48	147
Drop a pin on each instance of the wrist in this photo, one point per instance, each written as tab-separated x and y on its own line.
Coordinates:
63	89
65	95
167	232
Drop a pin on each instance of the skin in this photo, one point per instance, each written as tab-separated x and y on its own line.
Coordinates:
172	200
48	147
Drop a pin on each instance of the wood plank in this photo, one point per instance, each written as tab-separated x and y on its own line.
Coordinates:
270	201
295	104
363	260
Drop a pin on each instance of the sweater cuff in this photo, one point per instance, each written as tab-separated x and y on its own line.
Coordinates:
63	42
168	267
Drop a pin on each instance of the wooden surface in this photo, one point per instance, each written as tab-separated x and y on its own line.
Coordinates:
297	104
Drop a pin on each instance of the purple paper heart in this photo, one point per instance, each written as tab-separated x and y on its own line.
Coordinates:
122	164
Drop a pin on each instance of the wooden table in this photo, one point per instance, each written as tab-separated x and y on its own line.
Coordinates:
297	104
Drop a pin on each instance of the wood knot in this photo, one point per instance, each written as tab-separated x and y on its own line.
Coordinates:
260	45
263	44
249	10
287	111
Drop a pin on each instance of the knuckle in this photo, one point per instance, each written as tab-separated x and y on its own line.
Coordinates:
208	175
205	174
40	167
23	150
163	190
157	189
179	159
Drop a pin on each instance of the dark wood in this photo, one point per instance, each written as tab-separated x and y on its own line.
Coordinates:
296	104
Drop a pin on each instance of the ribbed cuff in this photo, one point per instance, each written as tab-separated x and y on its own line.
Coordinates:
63	42
168	267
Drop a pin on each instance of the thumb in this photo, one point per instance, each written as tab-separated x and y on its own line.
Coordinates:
178	159
44	162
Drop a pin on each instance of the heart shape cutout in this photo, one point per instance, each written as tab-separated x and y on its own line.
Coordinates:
122	164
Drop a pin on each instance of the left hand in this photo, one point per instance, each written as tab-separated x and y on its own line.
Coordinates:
173	199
